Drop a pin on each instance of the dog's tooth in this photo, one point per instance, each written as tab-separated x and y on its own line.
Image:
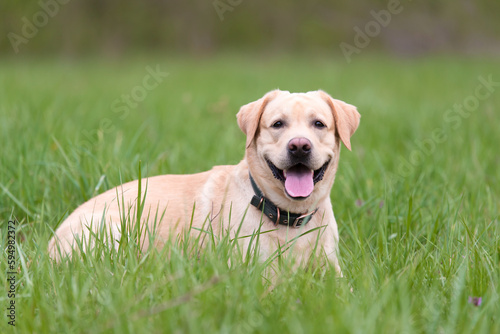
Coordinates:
284	172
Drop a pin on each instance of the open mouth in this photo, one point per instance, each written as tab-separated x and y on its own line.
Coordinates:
299	180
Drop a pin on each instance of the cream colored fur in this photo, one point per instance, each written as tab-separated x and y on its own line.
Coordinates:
226	189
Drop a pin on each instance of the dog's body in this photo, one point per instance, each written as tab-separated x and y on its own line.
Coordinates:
293	146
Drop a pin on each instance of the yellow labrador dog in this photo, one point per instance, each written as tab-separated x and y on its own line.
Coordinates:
283	184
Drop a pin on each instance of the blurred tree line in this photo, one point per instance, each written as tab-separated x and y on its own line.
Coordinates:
116	27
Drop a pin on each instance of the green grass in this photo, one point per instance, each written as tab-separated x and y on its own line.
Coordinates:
416	241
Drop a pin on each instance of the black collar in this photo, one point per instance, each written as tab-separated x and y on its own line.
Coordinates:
274	213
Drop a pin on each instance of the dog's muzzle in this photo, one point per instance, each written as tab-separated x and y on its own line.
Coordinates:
299	180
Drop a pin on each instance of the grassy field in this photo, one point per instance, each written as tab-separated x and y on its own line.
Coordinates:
417	200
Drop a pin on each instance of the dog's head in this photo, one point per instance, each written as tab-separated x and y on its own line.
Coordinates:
293	143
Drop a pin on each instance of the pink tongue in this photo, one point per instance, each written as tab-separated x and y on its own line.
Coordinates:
299	181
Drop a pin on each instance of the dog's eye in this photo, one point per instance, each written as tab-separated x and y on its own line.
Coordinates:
277	124
319	124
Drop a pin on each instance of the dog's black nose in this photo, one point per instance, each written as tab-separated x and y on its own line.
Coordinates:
299	147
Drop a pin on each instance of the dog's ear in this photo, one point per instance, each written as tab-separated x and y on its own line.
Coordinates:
346	118
250	114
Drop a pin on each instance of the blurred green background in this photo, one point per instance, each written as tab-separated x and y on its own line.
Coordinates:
203	27
418	217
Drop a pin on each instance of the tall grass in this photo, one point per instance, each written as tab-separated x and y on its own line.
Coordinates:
416	239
